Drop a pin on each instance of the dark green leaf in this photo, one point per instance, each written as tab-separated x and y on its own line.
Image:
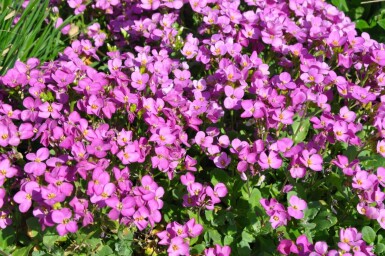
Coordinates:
198	249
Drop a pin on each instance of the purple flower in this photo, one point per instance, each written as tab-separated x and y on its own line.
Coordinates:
178	247
50	110
311	160
363	180
128	155
140	218
99	148
52	195
24	197
6	171
270	161
37	167
63	218
222	161
5	220
150	4
126	207
296	207
202	140
219	191
163	136
283	116
194	229
77	5
139	80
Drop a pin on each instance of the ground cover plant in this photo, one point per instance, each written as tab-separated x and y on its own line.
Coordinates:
194	128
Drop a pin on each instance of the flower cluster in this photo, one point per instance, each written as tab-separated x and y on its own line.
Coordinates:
177	236
156	92
351	243
200	195
278	213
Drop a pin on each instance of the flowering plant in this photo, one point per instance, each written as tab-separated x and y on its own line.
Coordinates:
196	128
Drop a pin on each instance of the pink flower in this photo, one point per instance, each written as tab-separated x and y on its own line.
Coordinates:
279	218
5	220
286	247
347	115
24	197
271	161
296	207
150	4
381	218
126	207
194	229
218	251
6	171
381	147
320	248
363	180
77	5
37	167
178	247
128	155
50	110
219	191
163	136
311	160
140	218
63	218
222	161
202	140
139	80
381	175
283	116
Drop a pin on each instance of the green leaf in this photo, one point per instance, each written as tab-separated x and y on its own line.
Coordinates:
22	251
228	240
49	240
33	227
209	215
105	251
308	226
368	234
325	220
243	248
215	236
361	24
198	249
312	209
381	23
358	12
300	129
218	175
341	4
379	248
255	197
7	237
247	237
290	194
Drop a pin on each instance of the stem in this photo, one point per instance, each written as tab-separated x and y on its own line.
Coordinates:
248	187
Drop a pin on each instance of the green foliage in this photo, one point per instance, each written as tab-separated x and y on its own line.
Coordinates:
31	36
369	17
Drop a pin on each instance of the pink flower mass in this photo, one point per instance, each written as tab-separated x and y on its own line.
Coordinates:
193	127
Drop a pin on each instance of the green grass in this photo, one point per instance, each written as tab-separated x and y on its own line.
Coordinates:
31	36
